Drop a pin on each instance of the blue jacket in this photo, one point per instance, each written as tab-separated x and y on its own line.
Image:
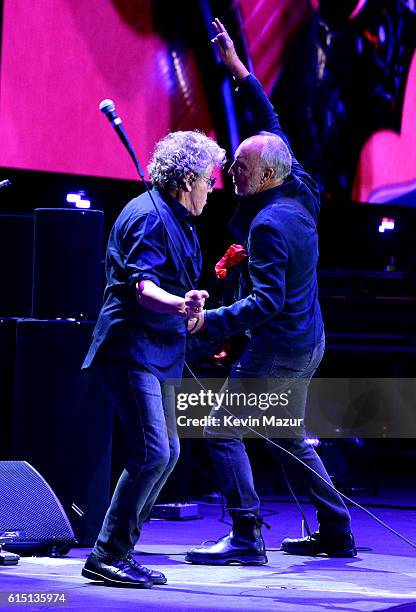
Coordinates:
139	249
278	295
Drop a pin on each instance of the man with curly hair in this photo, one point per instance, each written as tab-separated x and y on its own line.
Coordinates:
139	340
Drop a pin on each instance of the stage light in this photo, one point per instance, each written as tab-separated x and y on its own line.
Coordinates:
313	441
386	225
78	199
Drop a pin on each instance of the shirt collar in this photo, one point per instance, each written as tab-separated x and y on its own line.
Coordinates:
176	207
249	206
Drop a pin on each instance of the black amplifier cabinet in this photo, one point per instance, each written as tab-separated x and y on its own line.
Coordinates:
7	361
62	424
67	266
16	265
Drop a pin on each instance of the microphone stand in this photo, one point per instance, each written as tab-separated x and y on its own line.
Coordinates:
108	108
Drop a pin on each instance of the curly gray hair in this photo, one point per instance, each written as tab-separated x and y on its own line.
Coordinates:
180	155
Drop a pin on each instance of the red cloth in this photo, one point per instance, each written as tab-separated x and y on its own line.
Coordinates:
234	255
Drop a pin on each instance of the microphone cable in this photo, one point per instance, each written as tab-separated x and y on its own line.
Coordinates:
329	484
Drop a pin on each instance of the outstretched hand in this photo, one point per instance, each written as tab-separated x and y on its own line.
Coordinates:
226	49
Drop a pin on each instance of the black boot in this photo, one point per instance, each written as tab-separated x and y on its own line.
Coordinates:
243	545
335	546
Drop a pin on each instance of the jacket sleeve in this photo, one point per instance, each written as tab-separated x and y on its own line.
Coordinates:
268	255
261	116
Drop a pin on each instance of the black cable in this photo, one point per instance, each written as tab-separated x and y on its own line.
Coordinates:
294	497
305	520
308	467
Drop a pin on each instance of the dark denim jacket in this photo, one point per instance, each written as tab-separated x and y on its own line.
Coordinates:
278	286
139	249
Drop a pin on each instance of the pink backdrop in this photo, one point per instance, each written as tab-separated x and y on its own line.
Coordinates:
271	28
387	165
60	58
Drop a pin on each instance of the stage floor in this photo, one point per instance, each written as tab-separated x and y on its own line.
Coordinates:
383	578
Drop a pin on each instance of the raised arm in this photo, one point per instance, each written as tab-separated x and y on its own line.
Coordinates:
227	52
263	116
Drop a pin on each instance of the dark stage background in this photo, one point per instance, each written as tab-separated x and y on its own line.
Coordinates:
342	76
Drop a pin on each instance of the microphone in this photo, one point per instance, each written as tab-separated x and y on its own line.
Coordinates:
108	108
5	183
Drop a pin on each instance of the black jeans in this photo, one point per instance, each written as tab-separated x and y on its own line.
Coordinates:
229	454
147	410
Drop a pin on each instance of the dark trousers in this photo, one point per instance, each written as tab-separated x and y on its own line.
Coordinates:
229	454
147	410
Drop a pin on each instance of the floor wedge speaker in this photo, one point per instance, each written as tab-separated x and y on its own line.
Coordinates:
30	512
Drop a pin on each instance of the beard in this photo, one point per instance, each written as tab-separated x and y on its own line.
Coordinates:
248	188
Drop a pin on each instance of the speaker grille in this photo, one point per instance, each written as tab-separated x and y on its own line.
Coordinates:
30	507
